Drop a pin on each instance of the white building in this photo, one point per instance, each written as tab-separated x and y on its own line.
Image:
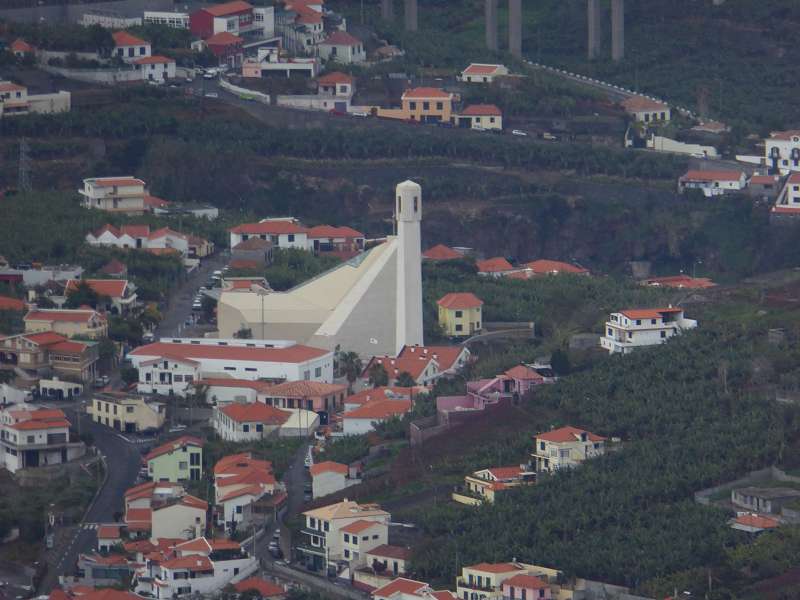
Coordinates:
239	481
114	194
129	47
155	68
342	533
202	567
342	47
329	477
481	117
35	437
171	365
15	100
630	329
109	19
179	518
282	232
713	183
482	73
248	422
788	201
782	151
565	448
141	237
270	63
646	110
176	20
371	304
364	418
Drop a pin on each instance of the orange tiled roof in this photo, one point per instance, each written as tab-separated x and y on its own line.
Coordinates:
269	228
153	60
123	38
358	526
265	589
546	267
459	301
523	372
173	445
426	92
445	356
497	264
20	45
441	252
334	78
568	434
228	8
111	288
256	413
401	585
327	467
381	409
757	521
649	313
304	389
224	39
482	110
69	316
7	303
291	354
341	38
526	581
640	103
413	364
327	231
709	176
481	69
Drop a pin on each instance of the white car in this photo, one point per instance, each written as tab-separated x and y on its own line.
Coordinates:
212	95
519	132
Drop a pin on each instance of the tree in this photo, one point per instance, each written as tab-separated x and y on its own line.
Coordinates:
129	375
209	305
350	366
559	361
82	295
6	376
245	333
405	380
378	375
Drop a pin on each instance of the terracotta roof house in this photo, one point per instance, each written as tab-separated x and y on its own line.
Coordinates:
494	267
441	252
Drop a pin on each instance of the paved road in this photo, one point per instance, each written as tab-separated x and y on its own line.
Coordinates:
123	460
180	302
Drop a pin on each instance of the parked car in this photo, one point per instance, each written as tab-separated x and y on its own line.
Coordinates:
359	114
549	136
519	132
212	95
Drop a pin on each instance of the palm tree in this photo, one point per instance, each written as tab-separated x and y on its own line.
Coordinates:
351	366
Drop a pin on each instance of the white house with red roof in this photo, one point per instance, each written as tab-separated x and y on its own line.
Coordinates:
290	233
481	117
564	448
125	194
634	328
712	183
329	477
647	110
178	518
754	523
172	365
265	589
342	47
67	322
494	267
155	68
383	565
553	267
364	418
336	84
491	579
116	296
130	48
239	481
484	485
482	73
247	422
35	437
402	588
781	152
237	17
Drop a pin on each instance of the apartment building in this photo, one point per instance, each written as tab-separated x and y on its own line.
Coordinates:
127	413
49	353
635	328
35	437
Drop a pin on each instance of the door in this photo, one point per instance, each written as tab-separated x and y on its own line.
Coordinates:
340	106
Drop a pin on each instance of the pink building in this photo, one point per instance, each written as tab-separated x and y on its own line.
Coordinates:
526	587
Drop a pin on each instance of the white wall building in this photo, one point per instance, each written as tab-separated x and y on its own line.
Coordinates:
630	329
108	19
35	437
155	68
282	232
782	151
183	518
15	100
329	477
371	304
173	364
176	20
565	448
713	183
343	48
482	73
129	47
114	194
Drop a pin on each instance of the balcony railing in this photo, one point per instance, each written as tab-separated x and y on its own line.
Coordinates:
473	585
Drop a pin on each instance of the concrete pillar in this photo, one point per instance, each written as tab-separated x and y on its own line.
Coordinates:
411	15
617	29
491	25
515	28
593	19
387	10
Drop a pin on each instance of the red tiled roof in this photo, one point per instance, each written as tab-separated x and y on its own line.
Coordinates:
334	78
117	181
358	526
173	445
459	301
108	532
788	210
138	515
189	563
413	364
112	288
381	409
681	281
7	303
45	338
426	92
757	521
495	567
480	69
256	413
37	424
441	252
155	201
526	581
505	472
546	267
224	39
568	434
238	463
71	316
153	60
268	228
389	551
243	264
764	179
253	243
400	585
123	38
68	347
327	231
235	383
304	389
341	38
523	372
254	490
497	264
649	313
291	354
11	87
380	393
328	466
482	110
445	356
640	103
20	45
113	267
266	589
785	135
228	8
695	175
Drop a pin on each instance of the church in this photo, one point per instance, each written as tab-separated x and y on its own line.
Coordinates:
370	304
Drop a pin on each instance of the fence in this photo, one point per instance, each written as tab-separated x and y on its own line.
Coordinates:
235	89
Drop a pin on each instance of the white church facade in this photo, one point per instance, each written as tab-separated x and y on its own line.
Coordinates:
371	304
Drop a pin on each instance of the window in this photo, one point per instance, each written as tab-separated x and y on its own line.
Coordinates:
194	459
259	427
347	537
426	106
541	445
178	378
653	321
440	106
646	117
630	334
610	332
326	526
246	428
230	368
459	314
459	327
129	409
239	509
412	105
375	537
250	369
663	334
346	553
355	540
291	237
306	375
183	465
318	372
31	439
638	321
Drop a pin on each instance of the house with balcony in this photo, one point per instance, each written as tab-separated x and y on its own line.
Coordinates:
236	17
494	581
325	399
565	448
333	535
83	322
383	565
117	296
450	360
484	485
288	232
35	437
124	194
781	152
47	353
177	460
140	500
343	48
635	328
244	490
127	413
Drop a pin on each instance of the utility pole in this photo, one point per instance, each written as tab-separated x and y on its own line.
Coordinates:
24	179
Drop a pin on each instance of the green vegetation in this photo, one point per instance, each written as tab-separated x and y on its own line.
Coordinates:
690	415
279	451
346	449
291	267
